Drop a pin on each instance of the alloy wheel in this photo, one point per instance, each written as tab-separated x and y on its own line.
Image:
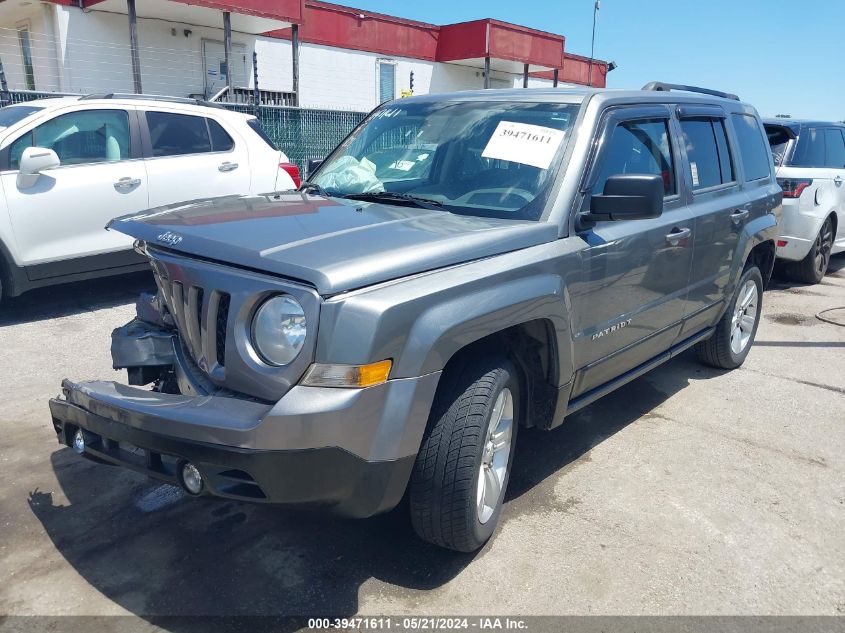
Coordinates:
495	456
744	317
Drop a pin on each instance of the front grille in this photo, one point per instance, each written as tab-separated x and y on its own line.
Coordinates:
193	314
211	306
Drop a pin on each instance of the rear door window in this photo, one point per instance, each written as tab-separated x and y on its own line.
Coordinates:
753	147
707	150
810	149
220	139
177	134
834	148
639	147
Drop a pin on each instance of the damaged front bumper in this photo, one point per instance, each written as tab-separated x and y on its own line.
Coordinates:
347	450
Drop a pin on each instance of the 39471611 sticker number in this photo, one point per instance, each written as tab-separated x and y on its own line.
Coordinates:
524	143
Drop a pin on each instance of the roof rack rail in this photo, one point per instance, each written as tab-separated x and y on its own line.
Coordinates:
660	86
165	98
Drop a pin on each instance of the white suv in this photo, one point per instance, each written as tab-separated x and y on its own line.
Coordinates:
810	162
69	165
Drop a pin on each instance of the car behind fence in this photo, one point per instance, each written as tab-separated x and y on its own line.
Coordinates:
302	134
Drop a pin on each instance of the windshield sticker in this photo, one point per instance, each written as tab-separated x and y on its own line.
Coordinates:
402	165
524	143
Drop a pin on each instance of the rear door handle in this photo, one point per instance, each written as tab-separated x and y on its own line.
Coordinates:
127	183
677	235
838	180
739	215
227	166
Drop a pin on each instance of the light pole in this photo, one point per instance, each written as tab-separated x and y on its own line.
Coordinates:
596	8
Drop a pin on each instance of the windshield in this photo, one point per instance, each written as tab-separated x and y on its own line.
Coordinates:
12	114
492	159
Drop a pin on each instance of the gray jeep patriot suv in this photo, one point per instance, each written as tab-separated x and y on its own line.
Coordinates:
461	266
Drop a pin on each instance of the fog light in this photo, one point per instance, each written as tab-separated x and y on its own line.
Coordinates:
191	478
79	441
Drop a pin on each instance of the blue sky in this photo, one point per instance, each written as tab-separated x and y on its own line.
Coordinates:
782	56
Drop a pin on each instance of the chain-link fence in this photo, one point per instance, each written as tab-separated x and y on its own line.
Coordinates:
302	134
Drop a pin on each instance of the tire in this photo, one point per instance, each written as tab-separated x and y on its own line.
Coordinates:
447	506
812	269
733	338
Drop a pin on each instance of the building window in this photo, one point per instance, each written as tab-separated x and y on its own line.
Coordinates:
386	81
26	54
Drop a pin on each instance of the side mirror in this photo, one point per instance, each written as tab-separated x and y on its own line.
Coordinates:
628	197
33	161
313	165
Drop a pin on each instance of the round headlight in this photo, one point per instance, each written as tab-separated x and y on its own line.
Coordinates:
278	330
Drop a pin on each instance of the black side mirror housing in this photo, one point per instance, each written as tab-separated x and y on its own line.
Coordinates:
313	164
627	197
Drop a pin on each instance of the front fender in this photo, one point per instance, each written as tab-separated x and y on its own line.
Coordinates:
421	322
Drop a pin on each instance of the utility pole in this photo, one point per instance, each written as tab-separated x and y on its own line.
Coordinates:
294	49
133	45
596	8
227	52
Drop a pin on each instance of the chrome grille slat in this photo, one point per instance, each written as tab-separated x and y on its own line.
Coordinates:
192	307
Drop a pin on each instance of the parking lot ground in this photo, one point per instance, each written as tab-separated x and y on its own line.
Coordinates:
688	491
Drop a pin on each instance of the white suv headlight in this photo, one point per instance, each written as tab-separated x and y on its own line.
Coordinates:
278	330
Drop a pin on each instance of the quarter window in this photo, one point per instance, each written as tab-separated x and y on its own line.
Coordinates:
753	147
834	148
707	151
639	147
88	136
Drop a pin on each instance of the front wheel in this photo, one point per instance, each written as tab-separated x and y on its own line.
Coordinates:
462	470
735	332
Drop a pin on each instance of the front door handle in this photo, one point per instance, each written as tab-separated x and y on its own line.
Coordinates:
739	215
127	183
838	180
227	166
674	238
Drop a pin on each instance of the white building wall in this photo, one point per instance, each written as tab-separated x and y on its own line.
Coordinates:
38	20
88	52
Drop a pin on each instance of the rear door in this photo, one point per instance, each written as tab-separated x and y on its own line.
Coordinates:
835	162
64	214
192	156
719	205
628	305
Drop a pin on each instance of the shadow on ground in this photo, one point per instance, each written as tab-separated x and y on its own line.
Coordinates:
68	299
156	552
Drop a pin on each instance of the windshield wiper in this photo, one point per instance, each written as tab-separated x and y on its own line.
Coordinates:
395	196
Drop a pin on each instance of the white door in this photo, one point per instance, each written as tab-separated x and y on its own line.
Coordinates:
214	56
64	214
835	161
193	157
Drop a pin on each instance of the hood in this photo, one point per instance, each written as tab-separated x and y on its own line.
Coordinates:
332	244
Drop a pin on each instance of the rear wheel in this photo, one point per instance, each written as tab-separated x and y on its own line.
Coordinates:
812	269
464	463
735	332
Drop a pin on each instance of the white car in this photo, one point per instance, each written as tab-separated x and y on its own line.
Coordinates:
810	161
69	165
